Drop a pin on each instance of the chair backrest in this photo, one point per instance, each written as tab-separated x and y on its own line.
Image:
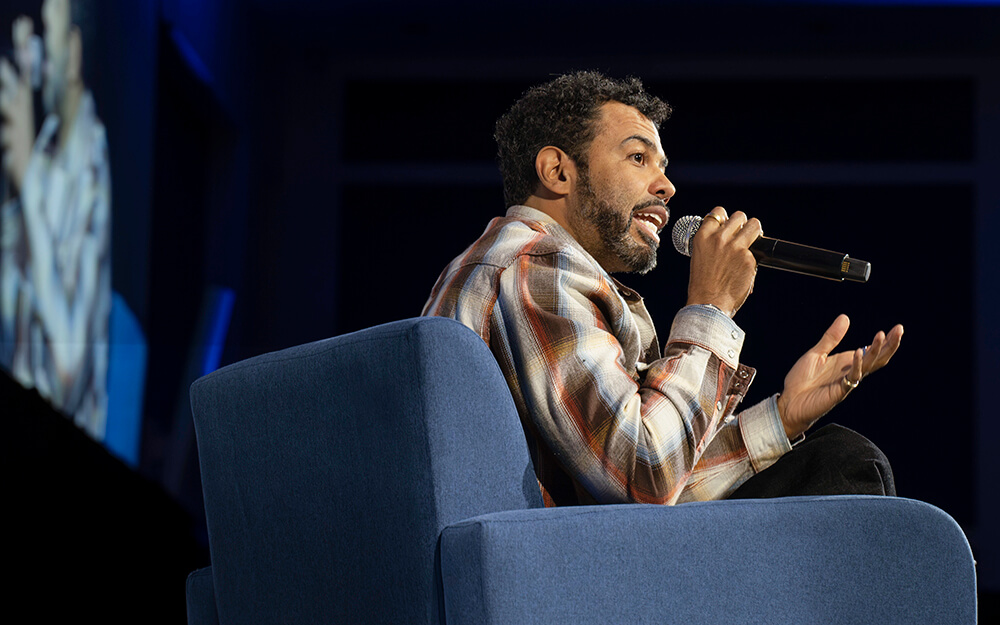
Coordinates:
330	469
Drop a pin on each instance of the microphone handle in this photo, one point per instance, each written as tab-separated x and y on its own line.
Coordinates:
811	261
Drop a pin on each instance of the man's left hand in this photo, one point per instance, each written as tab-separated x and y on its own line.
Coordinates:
820	380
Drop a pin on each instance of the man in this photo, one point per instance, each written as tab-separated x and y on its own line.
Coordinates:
55	272
607	415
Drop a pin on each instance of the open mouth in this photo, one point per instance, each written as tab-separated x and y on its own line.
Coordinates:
652	219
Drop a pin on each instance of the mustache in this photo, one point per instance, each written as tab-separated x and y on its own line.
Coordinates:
652	202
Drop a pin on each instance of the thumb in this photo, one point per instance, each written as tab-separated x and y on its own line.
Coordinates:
833	335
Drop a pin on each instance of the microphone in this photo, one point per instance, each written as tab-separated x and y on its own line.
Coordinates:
778	254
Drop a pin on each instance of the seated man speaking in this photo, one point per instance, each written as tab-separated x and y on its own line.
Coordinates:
608	416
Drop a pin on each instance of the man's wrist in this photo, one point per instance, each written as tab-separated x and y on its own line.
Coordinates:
712	306
794	436
796	432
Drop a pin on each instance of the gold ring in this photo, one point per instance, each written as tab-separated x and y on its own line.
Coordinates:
848	385
716	218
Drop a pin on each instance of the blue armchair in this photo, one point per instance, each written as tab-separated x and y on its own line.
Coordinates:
382	477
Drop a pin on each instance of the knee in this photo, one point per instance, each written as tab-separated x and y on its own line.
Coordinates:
853	454
838	440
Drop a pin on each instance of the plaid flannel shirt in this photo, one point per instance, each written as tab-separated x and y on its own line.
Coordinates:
608	418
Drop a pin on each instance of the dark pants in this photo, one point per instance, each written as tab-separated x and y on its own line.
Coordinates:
831	461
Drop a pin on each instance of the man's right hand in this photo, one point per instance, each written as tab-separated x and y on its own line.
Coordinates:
722	267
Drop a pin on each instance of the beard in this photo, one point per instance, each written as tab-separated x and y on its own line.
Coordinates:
613	227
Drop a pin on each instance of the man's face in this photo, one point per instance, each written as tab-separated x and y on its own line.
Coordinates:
56	19
620	201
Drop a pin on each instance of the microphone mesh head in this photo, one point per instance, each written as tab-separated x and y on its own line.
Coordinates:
683	231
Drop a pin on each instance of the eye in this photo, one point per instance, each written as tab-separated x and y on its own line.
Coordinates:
639	158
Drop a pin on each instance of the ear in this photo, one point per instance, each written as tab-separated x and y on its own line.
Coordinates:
74	66
556	171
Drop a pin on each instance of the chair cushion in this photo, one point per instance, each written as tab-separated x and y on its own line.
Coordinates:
837	560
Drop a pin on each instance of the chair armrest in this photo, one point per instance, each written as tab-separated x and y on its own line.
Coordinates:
201	598
847	559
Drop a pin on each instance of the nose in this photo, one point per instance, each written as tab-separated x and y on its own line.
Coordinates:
662	187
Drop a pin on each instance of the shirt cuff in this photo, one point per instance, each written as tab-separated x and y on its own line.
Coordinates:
764	434
712	329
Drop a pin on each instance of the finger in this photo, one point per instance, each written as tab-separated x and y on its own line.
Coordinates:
736	222
889	347
873	351
895	335
857	366
857	370
850	373
750	232
894	339
715	218
833	335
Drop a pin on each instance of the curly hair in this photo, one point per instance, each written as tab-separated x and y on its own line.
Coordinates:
561	113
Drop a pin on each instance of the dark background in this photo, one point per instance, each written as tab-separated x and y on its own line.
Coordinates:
325	160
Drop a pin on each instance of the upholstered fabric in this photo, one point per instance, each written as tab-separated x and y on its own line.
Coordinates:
330	469
838	560
201	598
383	477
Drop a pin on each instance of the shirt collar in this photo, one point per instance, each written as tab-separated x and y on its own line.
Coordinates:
552	227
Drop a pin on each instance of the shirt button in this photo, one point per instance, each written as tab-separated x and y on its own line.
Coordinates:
743	373
718	406
736	334
732	354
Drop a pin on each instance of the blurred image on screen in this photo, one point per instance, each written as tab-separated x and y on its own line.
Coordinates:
55	218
